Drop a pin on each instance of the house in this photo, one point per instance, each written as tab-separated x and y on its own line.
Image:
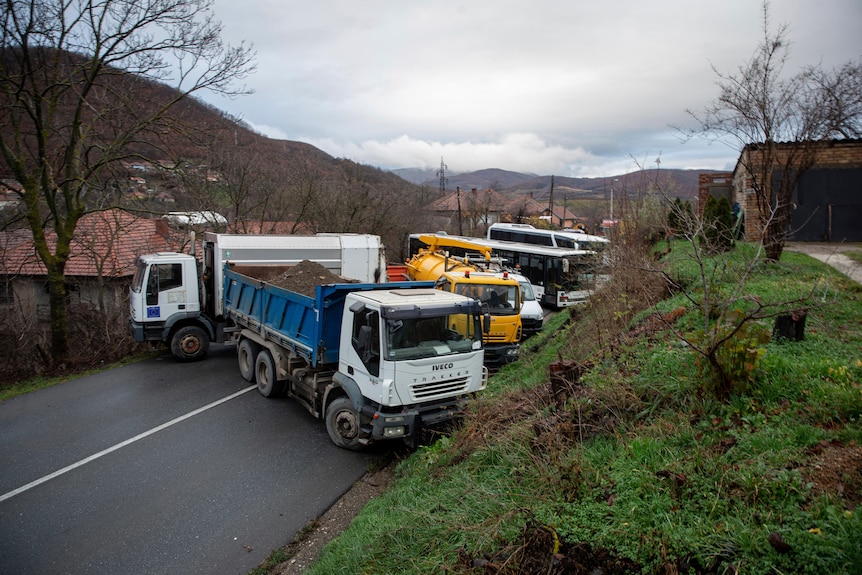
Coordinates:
469	213
138	166
826	204
560	216
10	193
522	209
99	270
525	209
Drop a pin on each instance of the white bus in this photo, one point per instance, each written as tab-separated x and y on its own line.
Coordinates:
562	277
527	234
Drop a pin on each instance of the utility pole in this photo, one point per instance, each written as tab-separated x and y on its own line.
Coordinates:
441	173
551	202
458	192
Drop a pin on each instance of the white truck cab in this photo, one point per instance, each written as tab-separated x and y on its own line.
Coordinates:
532	314
165	292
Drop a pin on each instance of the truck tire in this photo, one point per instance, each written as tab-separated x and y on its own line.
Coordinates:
246	355
342	424
264	369
190	343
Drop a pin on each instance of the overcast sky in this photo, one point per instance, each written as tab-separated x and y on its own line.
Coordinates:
568	87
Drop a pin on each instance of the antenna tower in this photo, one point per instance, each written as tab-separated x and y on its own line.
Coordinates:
441	173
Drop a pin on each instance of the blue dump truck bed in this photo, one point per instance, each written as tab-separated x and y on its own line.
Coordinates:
310	326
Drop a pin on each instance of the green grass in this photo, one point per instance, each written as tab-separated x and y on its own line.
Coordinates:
641	461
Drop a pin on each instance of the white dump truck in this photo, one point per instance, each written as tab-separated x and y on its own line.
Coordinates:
375	361
178	300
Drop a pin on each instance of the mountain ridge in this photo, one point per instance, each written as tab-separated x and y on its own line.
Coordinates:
676	182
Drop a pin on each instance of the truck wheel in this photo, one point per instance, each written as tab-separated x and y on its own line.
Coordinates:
190	343
246	354
342	424
264	369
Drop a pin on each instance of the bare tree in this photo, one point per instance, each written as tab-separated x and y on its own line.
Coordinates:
305	184
729	340
79	82
355	202
779	123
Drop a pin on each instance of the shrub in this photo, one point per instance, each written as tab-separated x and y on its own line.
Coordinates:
717	233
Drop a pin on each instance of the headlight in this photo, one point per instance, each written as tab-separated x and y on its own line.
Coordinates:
393	431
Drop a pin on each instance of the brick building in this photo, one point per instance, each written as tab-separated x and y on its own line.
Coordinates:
826	204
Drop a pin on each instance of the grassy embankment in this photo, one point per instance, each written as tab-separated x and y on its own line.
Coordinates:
639	467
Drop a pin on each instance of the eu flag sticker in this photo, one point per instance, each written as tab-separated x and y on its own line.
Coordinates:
154	311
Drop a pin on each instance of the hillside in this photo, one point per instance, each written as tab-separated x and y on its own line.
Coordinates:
627	461
199	158
158	153
678	183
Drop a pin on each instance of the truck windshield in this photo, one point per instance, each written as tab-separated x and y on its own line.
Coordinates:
414	338
496	299
527	291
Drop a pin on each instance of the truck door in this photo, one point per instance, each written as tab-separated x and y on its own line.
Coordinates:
166	291
366	341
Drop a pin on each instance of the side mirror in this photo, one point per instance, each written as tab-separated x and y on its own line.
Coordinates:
486	323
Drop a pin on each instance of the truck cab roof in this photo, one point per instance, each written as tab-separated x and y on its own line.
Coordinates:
481	277
410	296
407	302
165	255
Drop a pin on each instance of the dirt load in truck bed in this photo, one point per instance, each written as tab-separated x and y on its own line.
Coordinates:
305	276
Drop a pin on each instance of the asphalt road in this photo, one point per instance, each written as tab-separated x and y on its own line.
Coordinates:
160	467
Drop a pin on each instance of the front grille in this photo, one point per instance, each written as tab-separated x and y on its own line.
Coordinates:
428	390
495	338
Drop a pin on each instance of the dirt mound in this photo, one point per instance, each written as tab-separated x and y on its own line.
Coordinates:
305	276
835	469
540	552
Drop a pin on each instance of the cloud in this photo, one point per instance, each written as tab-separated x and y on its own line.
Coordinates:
521	152
572	88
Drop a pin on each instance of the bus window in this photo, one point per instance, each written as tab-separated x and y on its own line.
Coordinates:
564	242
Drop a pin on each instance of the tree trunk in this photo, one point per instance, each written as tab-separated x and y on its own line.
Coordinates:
59	316
723	383
773	240
790	327
773	251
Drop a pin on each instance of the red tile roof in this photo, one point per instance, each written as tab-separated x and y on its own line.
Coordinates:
108	241
525	205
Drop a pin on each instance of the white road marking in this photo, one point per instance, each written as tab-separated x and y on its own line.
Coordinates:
122	444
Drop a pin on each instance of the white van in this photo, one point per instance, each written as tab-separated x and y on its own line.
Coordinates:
532	314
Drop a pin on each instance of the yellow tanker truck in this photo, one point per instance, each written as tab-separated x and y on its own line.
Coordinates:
498	293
